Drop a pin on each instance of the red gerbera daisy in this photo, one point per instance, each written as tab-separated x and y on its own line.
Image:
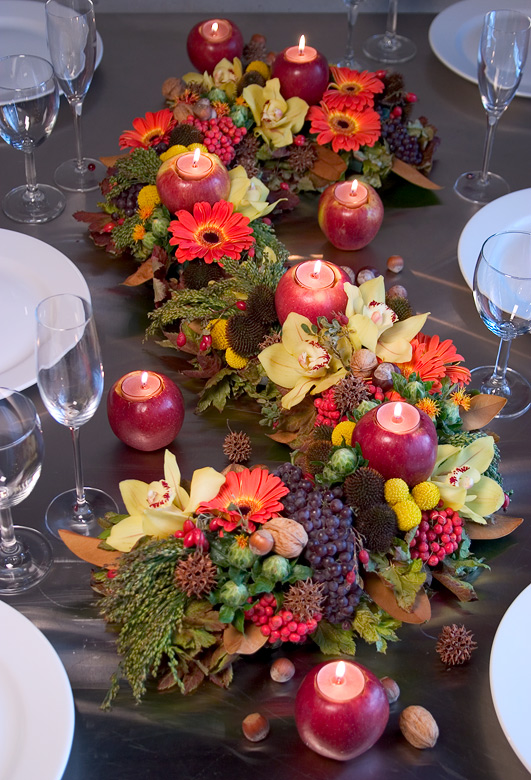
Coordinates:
352	89
212	232
433	359
344	128
246	498
150	130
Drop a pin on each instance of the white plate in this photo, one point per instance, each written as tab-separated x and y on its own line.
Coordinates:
510	682
512	212
30	270
23	30
455	33
36	703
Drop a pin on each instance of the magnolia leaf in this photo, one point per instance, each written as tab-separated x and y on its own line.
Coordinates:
87	548
384	597
483	409
413	175
497	525
244	644
143	274
283	437
460	588
328	167
110	161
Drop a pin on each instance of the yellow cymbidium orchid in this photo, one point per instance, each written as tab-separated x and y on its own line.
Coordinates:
249	196
459	475
276	118
372	324
160	508
299	362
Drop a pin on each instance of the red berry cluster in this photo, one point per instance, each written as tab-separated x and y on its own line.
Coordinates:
220	136
327	411
438	535
282	625
377	392
192	536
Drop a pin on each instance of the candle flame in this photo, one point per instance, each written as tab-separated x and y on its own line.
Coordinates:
354	187
144	378
397	413
215	27
195	160
302	45
340	673
316	269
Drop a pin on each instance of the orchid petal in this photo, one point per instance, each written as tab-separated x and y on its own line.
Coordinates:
296	395
398	351
293	334
373	290
162	523
354	299
282	368
172	473
478	455
489	497
205	486
328	381
125	534
452	495
134	495
444	452
365	330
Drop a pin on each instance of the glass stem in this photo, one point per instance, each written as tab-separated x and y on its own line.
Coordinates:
502	359
352	16
8	542
390	28
81	501
32	194
492	122
77	108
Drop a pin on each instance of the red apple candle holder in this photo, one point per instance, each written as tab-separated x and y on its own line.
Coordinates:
341	709
350	214
190	178
398	440
212	40
302	71
145	410
314	289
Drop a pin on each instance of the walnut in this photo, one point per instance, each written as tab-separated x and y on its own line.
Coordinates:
290	537
362	363
419	727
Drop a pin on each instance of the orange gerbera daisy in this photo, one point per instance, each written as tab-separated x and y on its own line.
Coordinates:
245	499
149	131
344	128
433	359
212	232
352	89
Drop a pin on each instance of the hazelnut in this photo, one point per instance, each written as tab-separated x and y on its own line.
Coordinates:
255	727
395	263
397	291
349	272
261	542
366	273
391	689
282	670
419	727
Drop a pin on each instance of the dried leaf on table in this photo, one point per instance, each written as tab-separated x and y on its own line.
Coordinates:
110	161
87	548
460	588
143	274
243	644
411	174
497	525
385	598
328	167
483	409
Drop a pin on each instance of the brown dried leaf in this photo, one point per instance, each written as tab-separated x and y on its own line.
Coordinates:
193	680
497	526
143	274
413	175
329	166
86	548
283	437
384	597
483	409
110	161
462	590
246	643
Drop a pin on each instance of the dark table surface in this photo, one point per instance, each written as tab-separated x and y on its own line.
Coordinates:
200	736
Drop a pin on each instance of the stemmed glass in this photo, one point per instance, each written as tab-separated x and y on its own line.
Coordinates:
70	380
390	47
502	55
71	30
25	554
502	293
349	60
29	102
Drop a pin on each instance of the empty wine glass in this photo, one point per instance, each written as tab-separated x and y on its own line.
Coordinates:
70	380
25	554
349	60
29	102
71	30
502	293
390	47
502	55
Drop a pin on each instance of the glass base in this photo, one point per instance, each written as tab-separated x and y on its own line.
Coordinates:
352	63
64	514
46	204
516	391
28	566
469	187
74	179
389	50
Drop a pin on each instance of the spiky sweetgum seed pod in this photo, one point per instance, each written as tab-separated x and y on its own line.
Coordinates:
244	334
455	645
378	525
364	488
237	447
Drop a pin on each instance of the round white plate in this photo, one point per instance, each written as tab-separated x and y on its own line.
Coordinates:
512	212
36	703
455	33
23	30
30	270
510	682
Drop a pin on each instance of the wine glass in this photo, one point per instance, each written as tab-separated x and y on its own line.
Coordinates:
390	47
70	380
502	294
25	554
349	60
71	30
29	102
502	54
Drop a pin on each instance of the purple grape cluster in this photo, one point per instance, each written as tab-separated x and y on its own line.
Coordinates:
331	549
127	200
405	146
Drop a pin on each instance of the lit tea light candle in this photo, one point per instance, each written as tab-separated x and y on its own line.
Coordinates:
340	682
140	385
351	194
313	288
301	53
303	72
315	275
211	41
194	166
216	30
398	418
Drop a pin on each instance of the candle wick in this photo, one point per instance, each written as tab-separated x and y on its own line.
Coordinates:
397	419
339	680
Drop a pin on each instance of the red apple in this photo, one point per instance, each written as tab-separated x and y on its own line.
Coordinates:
341	730
177	192
146	424
350	228
408	456
205	53
307	80
291	296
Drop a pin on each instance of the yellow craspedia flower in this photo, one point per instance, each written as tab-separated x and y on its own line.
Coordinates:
148	197
218	331
234	360
343	433
426	495
260	67
196	145
408	514
396	490
172	152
